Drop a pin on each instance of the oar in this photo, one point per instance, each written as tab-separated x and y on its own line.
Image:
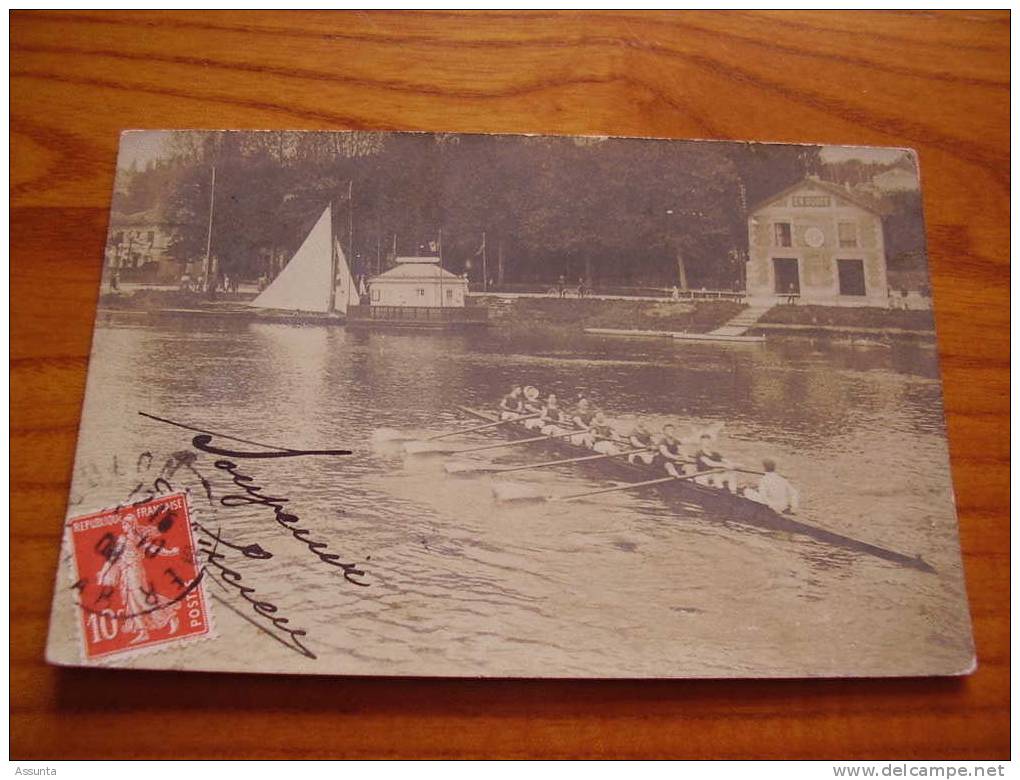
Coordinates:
483	427
468	468
390	435
426	449
578	496
743	470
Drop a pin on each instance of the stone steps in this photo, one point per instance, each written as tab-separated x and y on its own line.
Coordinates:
741	323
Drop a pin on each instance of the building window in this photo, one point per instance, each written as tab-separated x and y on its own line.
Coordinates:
449	295
812	201
421	292
848	235
375	294
851	277
784	234
151	235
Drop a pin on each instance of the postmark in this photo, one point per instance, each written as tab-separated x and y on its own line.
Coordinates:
137	583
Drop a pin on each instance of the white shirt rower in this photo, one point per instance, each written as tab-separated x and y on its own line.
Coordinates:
774	490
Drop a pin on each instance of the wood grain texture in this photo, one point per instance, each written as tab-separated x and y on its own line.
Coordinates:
938	82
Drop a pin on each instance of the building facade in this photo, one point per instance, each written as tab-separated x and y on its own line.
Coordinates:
139	244
419	282
817	242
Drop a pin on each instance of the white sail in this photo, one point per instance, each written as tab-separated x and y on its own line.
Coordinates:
303	284
346	289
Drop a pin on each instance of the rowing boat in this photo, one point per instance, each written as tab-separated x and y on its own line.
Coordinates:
716	501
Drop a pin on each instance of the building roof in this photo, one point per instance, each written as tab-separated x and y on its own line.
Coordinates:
428	259
431	272
853	196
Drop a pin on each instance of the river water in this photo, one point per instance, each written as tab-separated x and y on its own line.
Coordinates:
627	585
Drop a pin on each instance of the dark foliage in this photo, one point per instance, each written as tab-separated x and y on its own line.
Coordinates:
613	211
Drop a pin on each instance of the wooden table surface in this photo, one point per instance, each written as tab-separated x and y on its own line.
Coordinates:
938	82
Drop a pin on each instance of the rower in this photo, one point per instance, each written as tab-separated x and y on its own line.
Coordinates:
512	404
670	453
774	490
532	406
641	439
582	419
604	438
706	459
553	417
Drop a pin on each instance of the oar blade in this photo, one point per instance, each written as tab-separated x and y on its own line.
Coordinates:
508	492
465	468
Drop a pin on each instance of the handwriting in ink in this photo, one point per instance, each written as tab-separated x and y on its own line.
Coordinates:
252	494
210	544
204	443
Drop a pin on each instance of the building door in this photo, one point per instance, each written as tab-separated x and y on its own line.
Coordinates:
787	275
851	277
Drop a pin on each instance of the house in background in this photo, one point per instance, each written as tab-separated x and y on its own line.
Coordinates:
817	243
417	293
418	281
137	246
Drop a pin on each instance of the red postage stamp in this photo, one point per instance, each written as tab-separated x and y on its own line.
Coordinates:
138	583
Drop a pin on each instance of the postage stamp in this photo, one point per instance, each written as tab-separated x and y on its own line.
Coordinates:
137	582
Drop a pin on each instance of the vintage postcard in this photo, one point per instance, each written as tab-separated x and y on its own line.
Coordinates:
512	406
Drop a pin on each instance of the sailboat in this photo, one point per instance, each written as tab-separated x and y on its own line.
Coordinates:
316	279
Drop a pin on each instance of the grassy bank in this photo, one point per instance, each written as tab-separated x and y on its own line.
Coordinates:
574	314
843	317
154	300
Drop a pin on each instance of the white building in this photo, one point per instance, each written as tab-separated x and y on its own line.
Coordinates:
819	243
138	240
418	281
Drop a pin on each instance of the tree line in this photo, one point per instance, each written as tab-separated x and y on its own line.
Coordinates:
610	210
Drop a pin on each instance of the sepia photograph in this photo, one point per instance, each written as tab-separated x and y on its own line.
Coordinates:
415	404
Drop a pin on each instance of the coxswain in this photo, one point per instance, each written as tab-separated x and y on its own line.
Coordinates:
707	459
774	490
670	452
642	439
512	404
532	408
582	420
604	438
553	417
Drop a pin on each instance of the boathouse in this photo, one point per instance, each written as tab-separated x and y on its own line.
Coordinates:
418	292
417	281
817	242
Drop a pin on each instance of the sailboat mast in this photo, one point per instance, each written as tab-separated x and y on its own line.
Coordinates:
210	286
333	259
485	270
350	219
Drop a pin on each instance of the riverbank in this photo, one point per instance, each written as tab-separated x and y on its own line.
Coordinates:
150	299
864	318
524	314
577	315
507	313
